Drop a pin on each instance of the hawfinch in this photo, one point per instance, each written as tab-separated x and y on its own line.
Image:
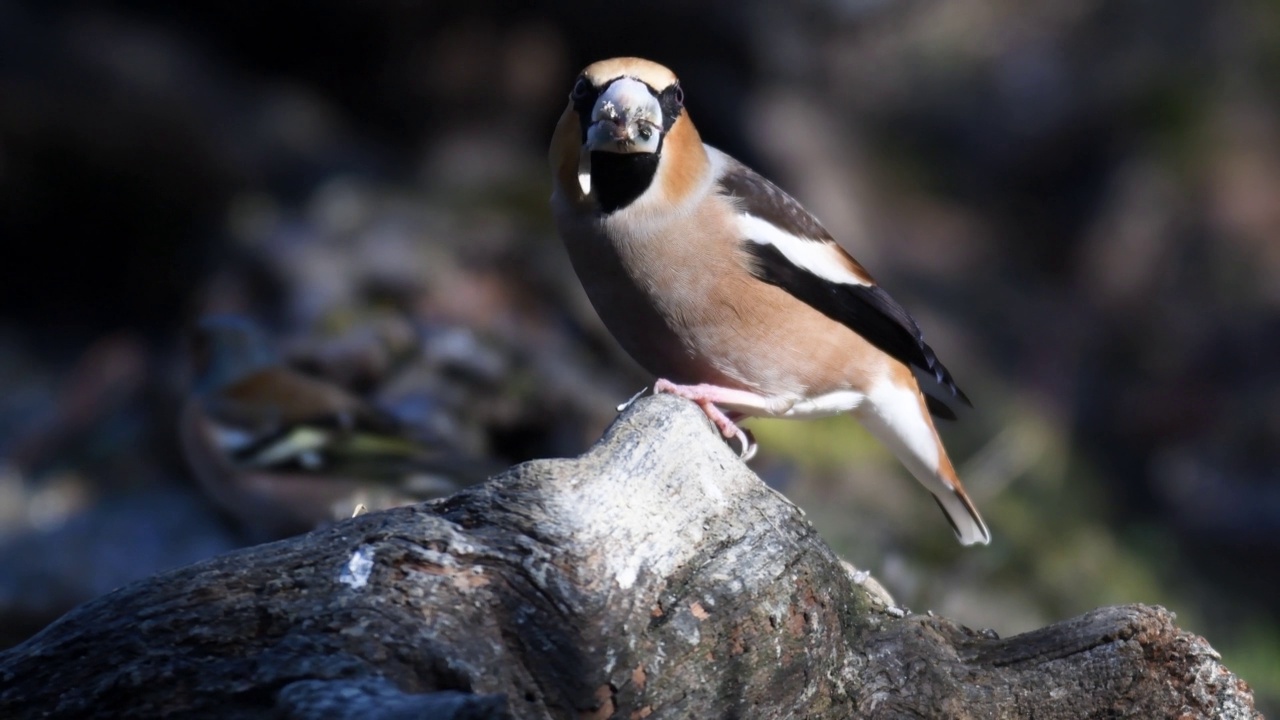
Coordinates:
283	452
725	288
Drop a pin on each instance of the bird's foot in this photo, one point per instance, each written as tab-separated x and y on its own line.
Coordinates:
706	396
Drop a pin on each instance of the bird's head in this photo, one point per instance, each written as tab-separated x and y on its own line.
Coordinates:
624	114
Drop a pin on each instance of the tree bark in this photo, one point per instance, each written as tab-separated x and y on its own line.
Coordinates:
653	577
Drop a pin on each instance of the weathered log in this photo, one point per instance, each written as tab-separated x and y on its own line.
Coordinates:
653	577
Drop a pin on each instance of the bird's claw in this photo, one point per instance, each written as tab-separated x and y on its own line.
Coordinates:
746	444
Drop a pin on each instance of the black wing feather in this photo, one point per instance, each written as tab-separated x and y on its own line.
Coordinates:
760	198
867	310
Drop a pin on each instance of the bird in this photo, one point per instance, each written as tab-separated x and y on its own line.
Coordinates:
284	452
729	292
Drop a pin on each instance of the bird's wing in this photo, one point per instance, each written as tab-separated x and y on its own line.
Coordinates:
789	248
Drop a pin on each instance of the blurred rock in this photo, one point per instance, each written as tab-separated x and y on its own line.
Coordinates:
122	538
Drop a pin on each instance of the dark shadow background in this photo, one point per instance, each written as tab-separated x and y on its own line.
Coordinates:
1080	201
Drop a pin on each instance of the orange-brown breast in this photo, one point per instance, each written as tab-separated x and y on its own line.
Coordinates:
711	320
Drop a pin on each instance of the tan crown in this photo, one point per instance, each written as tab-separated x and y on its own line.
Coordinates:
651	73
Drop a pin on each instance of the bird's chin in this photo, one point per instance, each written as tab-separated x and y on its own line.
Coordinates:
617	179
613	147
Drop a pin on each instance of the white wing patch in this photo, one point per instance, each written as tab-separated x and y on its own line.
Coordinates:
821	258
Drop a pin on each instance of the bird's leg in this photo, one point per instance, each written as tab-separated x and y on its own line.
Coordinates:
706	396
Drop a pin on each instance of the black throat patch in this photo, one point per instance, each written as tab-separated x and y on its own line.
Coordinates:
617	179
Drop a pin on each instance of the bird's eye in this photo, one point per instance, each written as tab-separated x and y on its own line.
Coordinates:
677	93
581	89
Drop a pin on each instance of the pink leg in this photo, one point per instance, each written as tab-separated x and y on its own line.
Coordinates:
707	396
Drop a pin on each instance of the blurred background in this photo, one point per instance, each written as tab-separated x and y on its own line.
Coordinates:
1078	200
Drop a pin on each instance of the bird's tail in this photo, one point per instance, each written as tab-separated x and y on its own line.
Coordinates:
896	414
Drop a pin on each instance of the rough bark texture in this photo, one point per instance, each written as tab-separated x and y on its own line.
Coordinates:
653	577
